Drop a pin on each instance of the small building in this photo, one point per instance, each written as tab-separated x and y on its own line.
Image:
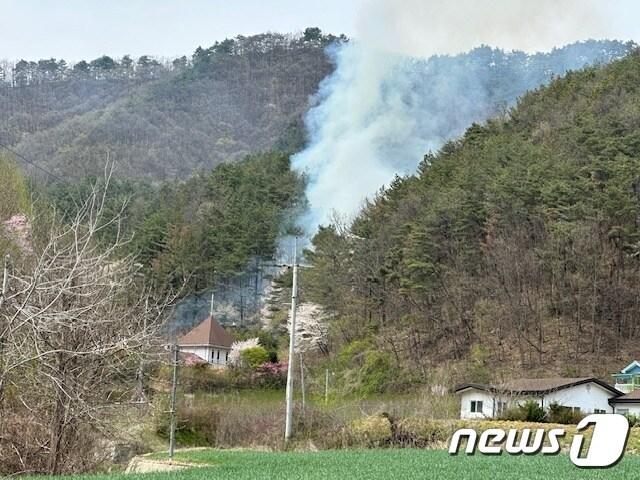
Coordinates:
209	341
584	395
628	404
628	379
628	382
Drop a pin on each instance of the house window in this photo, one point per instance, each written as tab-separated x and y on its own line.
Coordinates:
218	355
501	407
599	410
622	411
226	357
476	406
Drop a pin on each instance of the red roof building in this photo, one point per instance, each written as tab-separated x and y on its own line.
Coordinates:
209	341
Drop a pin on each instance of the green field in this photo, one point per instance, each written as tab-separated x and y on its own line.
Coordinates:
381	464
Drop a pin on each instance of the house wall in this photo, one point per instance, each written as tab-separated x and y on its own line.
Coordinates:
630	408
219	356
203	352
587	397
214	355
473	394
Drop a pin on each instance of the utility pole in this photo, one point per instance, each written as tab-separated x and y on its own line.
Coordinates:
326	386
140	396
3	329
302	386
292	339
5	279
172	412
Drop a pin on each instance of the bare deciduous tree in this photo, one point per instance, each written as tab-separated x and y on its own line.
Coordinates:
74	325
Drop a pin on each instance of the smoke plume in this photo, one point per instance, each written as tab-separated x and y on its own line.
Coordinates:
403	87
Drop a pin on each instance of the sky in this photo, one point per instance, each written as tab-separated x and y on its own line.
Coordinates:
86	29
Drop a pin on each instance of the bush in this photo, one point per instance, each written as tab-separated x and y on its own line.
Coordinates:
376	373
529	411
364	368
633	419
196	426
204	378
200	378
421	433
370	431
532	411
254	357
271	375
561	414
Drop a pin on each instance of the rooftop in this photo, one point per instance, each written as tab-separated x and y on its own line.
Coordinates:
209	333
536	386
631	397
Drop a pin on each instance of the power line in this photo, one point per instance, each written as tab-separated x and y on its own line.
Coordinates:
32	163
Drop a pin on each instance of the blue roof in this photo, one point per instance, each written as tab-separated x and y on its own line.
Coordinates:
632	368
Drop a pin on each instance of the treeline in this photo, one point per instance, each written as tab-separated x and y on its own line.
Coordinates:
515	247
29	73
24	73
161	120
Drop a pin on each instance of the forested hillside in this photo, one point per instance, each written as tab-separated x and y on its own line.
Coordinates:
204	229
473	258
515	247
160	119
163	119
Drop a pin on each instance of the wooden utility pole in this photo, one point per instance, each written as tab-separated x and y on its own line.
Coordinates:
288	429
172	412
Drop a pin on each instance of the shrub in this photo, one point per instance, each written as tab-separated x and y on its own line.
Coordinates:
200	378
633	419
532	411
370	431
376	373
560	414
254	357
271	375
529	411
420	432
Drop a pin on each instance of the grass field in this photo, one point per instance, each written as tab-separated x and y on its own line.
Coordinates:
380	464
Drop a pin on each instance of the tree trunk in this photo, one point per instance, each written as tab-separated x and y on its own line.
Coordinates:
57	431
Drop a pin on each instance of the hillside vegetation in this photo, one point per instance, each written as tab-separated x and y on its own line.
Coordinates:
162	120
513	249
203	229
166	119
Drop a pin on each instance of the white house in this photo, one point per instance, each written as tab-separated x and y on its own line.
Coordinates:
209	341
586	395
627	404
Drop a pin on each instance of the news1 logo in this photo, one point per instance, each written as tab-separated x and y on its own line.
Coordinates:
608	441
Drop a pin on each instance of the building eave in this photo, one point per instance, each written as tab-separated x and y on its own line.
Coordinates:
618	401
506	391
203	345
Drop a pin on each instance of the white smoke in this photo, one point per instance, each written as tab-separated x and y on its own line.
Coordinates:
430	27
383	109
